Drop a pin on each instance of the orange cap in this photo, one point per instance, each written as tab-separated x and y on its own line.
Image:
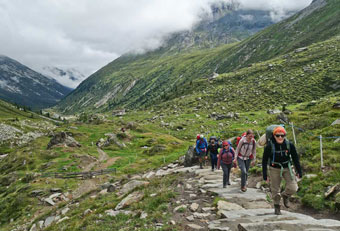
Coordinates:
279	129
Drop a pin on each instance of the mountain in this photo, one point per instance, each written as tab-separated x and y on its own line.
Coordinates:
69	77
19	84
134	81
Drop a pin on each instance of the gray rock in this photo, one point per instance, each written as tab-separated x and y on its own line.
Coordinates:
49	221
336	122
190	218
37	192
87	211
201	215
132	185
194	207
54	195
111	188
332	190
55	190
283	118
40	224
49	201
63	219
336	105
298	50
180	207
224	205
65	210
190	157
62	138
143	215
33	228
130	199
194	226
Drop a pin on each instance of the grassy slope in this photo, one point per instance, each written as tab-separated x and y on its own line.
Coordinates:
16	202
159	74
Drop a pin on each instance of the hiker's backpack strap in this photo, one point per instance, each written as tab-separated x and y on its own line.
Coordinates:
271	143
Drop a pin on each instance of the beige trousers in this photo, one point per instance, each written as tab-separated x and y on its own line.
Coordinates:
275	182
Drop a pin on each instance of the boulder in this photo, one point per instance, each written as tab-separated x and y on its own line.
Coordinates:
62	138
130	199
190	157
336	122
336	105
273	111
132	185
283	118
112	139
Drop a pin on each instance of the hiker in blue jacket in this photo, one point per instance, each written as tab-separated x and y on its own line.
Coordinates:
201	149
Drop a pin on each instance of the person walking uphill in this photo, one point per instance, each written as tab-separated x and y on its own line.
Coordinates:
201	149
213	150
280	153
246	154
225	159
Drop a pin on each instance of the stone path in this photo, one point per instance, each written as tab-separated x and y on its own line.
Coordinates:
250	211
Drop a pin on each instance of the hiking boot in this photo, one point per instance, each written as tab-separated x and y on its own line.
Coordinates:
212	170
201	166
224	186
229	183
285	201
243	189
277	210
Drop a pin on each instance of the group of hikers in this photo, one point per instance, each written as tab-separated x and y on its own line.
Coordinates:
279	153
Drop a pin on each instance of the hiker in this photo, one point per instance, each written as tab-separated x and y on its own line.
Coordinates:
246	154
213	150
225	159
201	149
280	153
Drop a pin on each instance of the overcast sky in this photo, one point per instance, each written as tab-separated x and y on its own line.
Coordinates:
88	34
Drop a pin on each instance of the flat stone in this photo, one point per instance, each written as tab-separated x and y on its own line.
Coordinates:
180	207
172	222
190	218
188	186
194	226
224	205
49	221
87	211
201	215
49	201
63	219
191	195
194	207
54	195
130	199
207	209
149	175
114	213
33	228
331	190
65	210
40	224
336	122
143	215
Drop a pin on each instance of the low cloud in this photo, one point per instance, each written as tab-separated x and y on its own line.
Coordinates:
86	34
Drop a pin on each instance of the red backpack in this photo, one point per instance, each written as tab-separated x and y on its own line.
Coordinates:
239	138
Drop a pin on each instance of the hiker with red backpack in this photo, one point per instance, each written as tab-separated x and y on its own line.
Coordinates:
246	155
281	153
201	149
213	150
225	160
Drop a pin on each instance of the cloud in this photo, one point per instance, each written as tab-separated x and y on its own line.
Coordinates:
87	34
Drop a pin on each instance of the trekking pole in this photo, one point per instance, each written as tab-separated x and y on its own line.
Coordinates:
293	133
321	153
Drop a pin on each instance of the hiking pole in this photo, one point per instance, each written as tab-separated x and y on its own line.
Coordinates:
321	153
293	133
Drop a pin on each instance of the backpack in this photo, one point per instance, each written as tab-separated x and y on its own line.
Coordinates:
213	138
239	138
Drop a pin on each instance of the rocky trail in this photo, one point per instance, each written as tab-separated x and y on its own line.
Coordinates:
201	203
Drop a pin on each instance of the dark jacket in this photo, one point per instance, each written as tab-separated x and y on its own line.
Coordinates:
213	149
281	156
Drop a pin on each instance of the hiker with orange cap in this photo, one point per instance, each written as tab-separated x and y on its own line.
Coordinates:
246	154
225	160
281	153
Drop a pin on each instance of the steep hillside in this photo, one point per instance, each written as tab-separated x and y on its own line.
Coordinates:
299	76
133	81
19	84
